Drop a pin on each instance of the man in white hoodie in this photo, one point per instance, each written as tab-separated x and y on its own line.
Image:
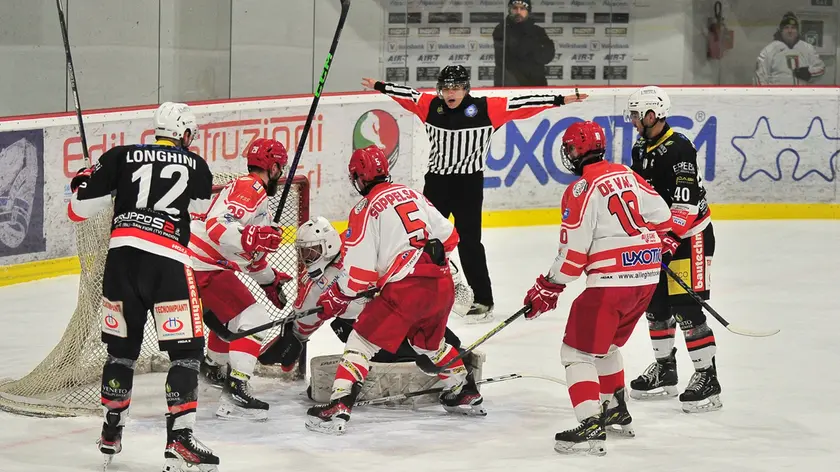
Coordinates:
788	60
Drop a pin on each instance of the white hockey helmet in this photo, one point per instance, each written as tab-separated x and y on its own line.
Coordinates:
172	120
317	244
650	98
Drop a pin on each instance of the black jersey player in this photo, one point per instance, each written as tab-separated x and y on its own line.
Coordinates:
668	161
148	269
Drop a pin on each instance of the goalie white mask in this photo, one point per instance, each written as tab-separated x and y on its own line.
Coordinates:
317	243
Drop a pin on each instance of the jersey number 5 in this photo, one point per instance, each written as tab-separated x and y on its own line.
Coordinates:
144	175
625	207
412	225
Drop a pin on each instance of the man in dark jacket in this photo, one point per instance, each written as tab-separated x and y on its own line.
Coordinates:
522	49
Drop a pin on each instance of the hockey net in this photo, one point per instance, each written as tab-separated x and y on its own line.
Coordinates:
67	381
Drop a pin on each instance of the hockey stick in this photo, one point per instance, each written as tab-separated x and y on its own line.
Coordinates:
345	7
721	319
289	318
72	73
418	393
426	365
271	324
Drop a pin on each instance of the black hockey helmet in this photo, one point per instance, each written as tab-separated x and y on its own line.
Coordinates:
453	76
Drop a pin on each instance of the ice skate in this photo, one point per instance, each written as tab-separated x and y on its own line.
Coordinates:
479	313
213	374
184	453
110	443
617	419
332	417
659	380
237	402
588	438
703	392
464	399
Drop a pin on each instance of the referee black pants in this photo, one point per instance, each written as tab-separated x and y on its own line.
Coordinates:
462	196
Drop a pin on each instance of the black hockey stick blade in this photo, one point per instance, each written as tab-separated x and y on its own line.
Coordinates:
426	364
697	298
71	72
345	8
290	318
428	391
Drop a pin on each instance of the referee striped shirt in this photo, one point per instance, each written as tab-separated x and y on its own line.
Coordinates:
460	137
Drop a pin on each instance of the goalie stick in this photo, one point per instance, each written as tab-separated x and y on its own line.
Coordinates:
72	74
721	319
426	364
418	393
345	7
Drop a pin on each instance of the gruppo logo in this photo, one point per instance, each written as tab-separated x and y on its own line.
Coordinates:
380	128
539	150
811	151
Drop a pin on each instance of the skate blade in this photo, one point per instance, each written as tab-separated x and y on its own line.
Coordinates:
621	430
178	464
227	411
335	427
712	403
466	410
106	461
658	393
590	448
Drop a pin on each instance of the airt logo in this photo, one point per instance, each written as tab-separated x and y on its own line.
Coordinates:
583	57
487	57
615	57
428	58
397	58
459	57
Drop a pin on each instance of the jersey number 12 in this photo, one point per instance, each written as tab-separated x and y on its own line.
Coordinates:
144	175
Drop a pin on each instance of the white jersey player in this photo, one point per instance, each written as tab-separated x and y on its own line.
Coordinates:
318	245
319	248
788	60
398	243
610	231
235	236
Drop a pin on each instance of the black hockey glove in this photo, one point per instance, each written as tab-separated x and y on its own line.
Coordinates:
802	73
82	176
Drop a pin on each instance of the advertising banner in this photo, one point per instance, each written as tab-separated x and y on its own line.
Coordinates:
753	146
590	38
21	195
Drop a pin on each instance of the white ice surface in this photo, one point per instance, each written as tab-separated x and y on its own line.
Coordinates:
780	394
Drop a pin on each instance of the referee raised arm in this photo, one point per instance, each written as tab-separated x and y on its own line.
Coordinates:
459	127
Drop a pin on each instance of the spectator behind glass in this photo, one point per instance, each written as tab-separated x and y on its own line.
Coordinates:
522	49
788	60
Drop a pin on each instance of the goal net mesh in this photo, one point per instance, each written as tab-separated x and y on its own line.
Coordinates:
67	381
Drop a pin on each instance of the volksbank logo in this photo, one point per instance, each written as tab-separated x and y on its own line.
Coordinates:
394	47
572	46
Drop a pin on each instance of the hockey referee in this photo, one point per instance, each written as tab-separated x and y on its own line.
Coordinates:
459	127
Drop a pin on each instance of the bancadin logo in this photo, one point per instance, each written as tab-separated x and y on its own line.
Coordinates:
380	128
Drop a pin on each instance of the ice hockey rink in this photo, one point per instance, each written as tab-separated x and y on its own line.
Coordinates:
780	394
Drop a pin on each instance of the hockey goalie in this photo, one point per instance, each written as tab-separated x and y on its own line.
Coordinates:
319	245
235	235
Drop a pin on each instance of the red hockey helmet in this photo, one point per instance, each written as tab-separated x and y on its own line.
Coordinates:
264	153
583	142
368	167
